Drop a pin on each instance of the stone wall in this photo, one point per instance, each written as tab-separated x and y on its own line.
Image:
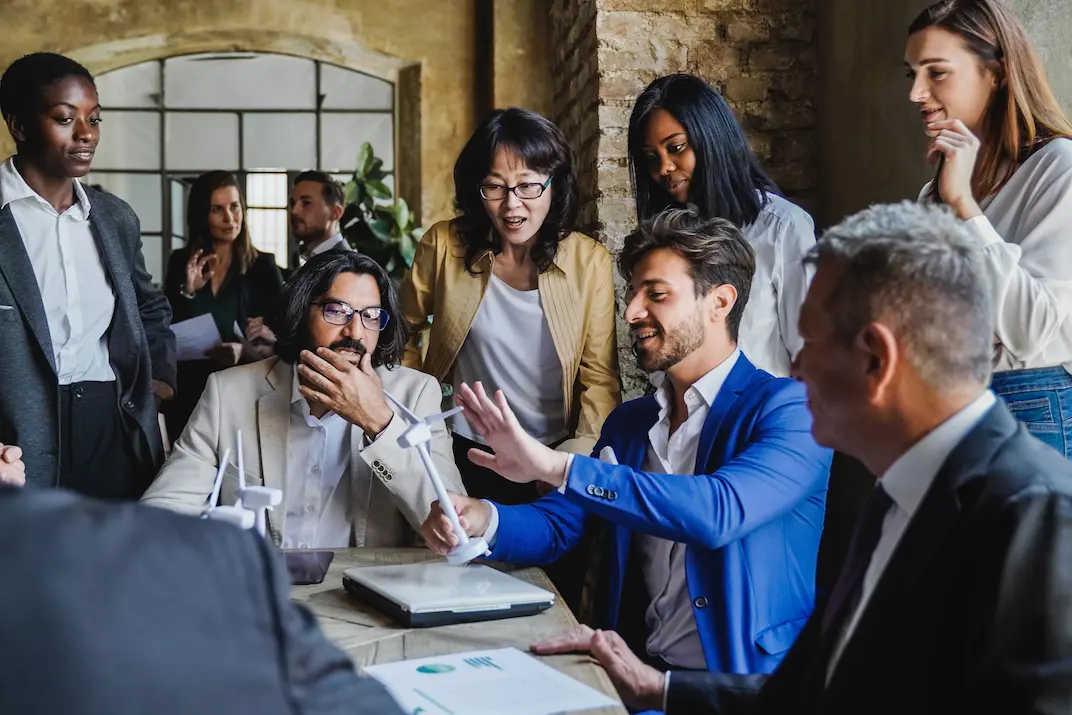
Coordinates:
759	53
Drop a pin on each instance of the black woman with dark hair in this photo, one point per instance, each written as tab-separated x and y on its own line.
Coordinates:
686	148
515	297
85	348
317	424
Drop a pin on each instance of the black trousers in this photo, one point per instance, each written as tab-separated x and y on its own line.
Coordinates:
568	573
96	454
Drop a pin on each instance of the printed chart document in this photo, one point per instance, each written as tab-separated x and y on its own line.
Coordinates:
194	336
490	682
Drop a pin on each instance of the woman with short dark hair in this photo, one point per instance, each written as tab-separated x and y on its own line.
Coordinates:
84	339
686	148
219	272
518	299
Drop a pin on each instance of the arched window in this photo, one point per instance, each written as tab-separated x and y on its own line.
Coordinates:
265	117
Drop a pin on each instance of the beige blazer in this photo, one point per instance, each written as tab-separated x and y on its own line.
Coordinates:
390	488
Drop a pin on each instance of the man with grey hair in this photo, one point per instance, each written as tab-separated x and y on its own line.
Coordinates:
956	593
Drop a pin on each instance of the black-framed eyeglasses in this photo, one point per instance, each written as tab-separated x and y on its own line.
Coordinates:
337	312
527	190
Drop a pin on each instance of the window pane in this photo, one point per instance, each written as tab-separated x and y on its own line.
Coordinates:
141	191
240	80
202	142
152	248
279	141
179	192
267	190
268	231
341	136
128	140
346	89
134	86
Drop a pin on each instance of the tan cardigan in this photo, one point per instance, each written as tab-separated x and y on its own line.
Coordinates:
577	294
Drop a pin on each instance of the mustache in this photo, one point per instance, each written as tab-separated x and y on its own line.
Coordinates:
348	344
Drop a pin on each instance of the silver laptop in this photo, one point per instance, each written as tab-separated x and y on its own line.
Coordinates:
436	593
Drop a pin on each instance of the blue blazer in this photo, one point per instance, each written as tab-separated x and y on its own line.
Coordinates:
751	517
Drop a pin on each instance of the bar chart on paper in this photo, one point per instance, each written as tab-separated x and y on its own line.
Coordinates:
484	683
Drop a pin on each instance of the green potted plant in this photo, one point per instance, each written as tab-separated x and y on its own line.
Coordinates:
379	229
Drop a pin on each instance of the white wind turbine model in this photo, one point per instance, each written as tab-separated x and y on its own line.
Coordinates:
419	435
251	508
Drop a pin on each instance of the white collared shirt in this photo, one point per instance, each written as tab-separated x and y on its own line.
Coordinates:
781	236
907	481
336	241
75	292
318	478
669	618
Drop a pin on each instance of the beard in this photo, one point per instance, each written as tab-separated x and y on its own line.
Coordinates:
675	345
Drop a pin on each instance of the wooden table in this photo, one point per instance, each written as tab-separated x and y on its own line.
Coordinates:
370	638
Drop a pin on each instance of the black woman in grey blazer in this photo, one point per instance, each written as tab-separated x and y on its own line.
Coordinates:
85	348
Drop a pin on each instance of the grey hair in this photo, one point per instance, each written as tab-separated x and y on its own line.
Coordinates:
916	268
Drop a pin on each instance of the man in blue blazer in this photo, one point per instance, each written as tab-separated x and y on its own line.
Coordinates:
717	508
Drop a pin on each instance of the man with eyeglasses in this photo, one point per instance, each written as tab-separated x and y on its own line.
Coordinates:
315	421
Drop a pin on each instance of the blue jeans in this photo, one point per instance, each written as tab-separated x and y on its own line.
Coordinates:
1041	398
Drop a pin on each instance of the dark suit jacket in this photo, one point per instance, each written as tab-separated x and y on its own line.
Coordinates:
973	613
140	345
109	609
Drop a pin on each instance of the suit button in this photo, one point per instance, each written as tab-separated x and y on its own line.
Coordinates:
77	391
386	476
600	492
700	602
612	495
129	404
377	465
591	489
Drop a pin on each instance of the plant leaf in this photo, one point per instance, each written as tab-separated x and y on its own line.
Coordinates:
350	192
364	159
406	248
402	214
378	190
376	172
381	229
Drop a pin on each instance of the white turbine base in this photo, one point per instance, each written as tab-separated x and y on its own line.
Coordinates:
464	553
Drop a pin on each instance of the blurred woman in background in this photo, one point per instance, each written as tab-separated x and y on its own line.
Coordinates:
218	272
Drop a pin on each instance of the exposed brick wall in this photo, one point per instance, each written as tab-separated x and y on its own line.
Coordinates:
760	54
576	94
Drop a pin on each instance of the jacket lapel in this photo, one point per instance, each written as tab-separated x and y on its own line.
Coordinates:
117	269
273	424
18	272
724	400
926	535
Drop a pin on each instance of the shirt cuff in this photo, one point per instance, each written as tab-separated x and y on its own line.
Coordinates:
565	477
493	525
666	689
981	227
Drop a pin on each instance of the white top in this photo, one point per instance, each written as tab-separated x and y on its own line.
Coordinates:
78	300
1027	247
509	347
907	481
671	624
317	494
781	236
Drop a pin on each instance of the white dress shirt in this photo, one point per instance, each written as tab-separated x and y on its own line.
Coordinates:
907	481
77	297
317	495
336	241
781	236
1028	257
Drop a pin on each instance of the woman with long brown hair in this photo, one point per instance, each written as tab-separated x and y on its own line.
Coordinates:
218	272
1003	156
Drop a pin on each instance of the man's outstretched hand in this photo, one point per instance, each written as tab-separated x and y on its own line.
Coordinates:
517	456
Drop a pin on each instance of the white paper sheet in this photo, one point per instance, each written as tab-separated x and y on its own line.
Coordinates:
490	682
194	336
